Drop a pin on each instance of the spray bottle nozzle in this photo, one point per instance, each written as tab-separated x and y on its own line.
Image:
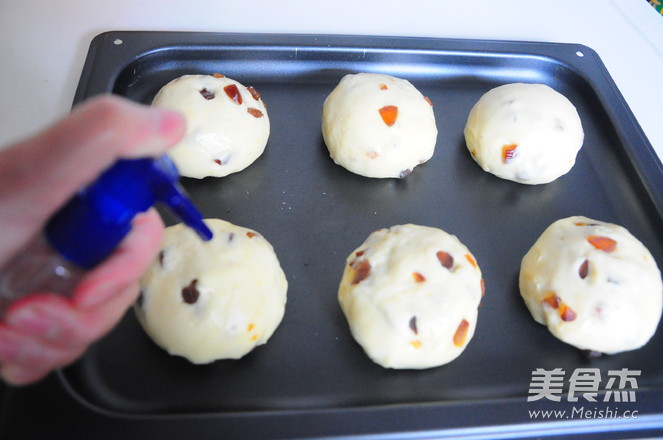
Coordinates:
91	225
169	191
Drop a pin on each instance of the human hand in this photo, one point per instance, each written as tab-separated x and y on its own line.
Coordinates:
44	331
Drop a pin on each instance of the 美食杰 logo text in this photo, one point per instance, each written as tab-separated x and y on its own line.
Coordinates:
584	386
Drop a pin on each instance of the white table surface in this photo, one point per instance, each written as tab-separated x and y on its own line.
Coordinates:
44	42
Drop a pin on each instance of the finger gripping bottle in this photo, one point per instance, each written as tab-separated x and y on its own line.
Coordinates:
90	226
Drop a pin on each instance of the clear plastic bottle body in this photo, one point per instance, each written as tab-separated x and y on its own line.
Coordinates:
89	227
35	269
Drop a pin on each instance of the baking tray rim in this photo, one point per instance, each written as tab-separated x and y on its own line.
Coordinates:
647	162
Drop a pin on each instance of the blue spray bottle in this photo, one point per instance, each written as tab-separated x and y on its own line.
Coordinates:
87	229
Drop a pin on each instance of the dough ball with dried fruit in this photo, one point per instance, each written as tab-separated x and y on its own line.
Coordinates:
528	133
227	124
378	126
410	294
593	284
212	300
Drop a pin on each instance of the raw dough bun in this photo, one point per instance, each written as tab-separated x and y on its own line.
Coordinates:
593	284
227	124
355	120
528	133
212	300
410	294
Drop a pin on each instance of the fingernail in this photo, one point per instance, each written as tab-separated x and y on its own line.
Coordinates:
18	375
32	321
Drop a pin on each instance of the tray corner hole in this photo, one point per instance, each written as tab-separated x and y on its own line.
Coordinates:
580	54
118	42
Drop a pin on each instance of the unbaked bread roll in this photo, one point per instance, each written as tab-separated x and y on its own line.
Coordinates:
593	284
378	126
528	133
212	300
227	124
410	294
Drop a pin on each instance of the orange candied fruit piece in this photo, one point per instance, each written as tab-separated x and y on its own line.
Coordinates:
389	114
233	93
416	344
461	333
362	270
602	243
255	112
472	261
552	300
509	152
384	87
419	278
372	154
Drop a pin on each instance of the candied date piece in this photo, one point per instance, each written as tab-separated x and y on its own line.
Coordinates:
191	293
413	325
591	354
445	259
362	271
253	93
566	313
207	94
583	271
405	173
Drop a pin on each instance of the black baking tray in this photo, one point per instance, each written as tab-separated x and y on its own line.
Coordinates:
312	379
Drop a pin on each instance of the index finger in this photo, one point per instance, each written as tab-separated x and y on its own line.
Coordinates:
39	175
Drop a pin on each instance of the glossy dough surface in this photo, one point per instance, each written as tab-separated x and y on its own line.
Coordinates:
528	133
378	126
212	300
410	294
227	124
593	284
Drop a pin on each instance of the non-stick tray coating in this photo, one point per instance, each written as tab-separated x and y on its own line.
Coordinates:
315	213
